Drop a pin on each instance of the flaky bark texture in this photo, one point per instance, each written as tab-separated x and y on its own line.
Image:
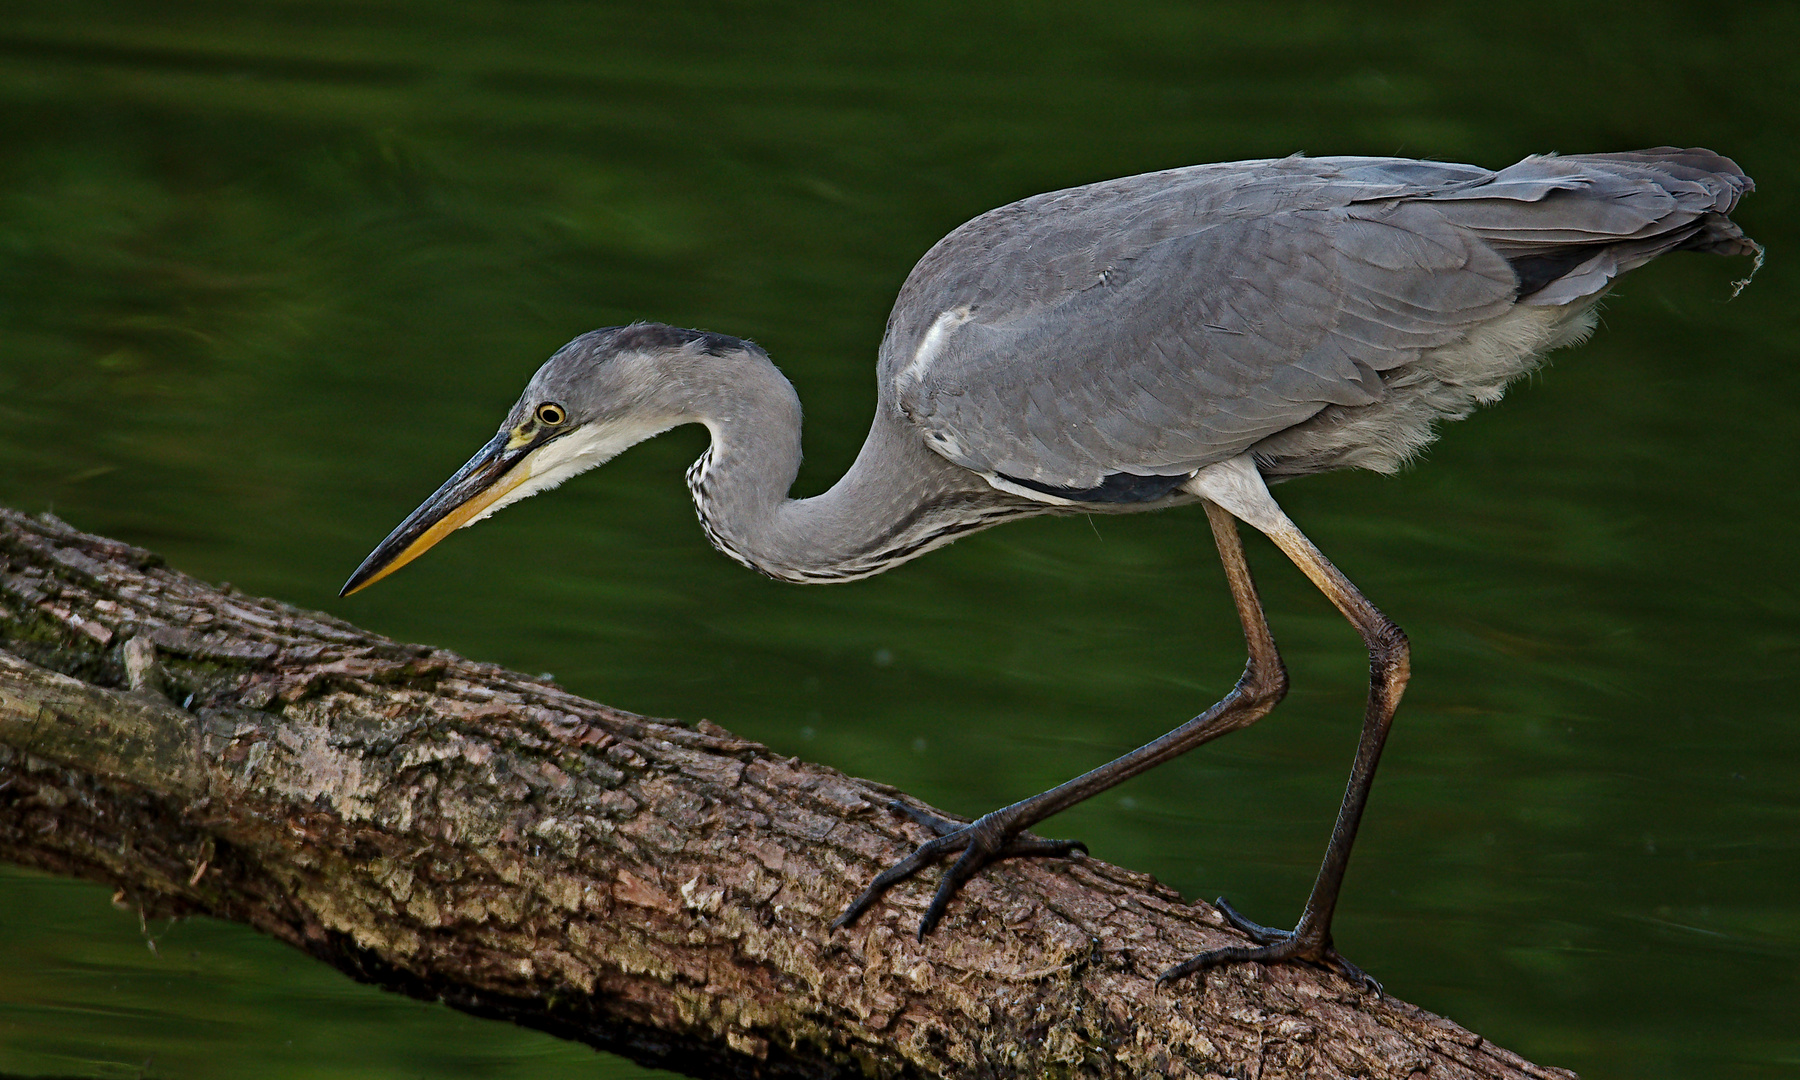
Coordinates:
457	831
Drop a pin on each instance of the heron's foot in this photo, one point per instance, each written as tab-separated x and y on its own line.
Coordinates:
981	842
1273	946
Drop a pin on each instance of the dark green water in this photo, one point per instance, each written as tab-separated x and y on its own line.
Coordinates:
268	272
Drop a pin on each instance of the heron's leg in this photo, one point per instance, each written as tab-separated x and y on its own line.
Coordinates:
1389	668
998	835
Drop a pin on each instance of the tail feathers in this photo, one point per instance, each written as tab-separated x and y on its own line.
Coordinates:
1692	165
1712	176
1570	225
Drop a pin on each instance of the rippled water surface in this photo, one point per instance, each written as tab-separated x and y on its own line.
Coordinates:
269	272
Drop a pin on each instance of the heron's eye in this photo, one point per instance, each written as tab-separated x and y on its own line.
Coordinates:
550	414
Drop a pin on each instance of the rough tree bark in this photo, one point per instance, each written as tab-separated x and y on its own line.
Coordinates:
453	830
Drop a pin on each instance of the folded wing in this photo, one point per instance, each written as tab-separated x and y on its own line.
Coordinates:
1083	340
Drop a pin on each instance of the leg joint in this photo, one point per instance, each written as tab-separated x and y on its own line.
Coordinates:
1264	683
1390	656
1388	643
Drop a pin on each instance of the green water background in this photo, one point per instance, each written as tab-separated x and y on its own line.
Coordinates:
270	271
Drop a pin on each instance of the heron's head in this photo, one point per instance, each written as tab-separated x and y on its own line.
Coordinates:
600	394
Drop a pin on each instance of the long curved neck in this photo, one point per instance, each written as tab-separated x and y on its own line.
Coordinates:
896	502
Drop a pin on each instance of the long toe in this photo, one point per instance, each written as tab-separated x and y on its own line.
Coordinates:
981	842
1255	931
1275	946
937	823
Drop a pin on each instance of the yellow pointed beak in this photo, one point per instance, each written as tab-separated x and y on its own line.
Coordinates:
484	480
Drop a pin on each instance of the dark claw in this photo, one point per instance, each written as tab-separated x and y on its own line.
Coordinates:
981	842
1272	946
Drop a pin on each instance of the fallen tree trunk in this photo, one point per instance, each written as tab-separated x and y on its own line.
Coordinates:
456	831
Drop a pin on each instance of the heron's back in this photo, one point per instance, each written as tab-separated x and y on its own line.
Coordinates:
1104	342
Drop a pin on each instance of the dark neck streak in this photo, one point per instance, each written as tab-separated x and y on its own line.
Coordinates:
898	499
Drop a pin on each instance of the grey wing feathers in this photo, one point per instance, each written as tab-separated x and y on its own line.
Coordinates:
1610	212
1154	325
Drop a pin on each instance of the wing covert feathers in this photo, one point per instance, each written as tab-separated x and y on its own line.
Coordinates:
1153	325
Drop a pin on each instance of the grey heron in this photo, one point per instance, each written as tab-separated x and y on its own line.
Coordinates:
1176	337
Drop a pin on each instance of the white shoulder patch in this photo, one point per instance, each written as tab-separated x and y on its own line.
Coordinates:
931	344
